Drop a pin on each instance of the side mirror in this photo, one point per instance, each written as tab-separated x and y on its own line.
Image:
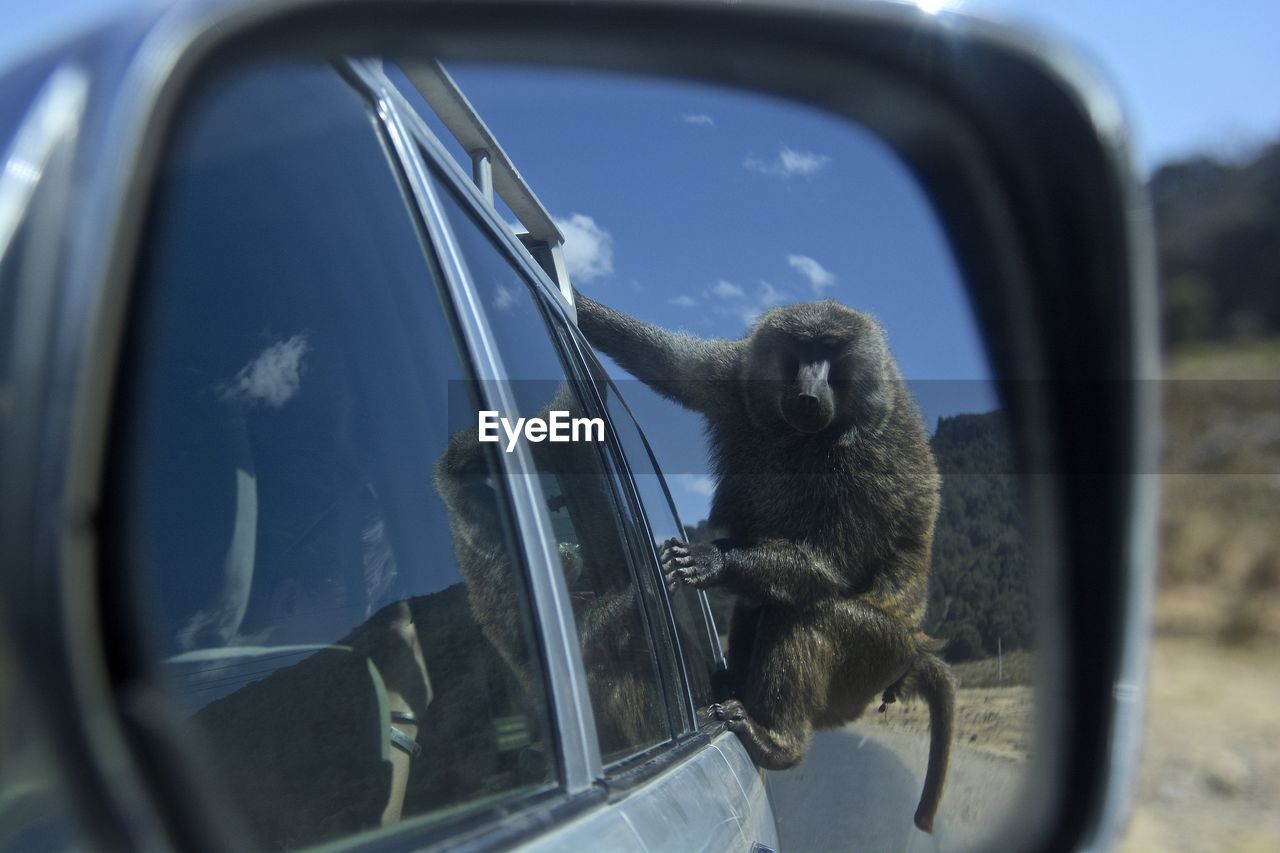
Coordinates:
1005	153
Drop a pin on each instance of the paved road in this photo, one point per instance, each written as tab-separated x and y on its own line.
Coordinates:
858	789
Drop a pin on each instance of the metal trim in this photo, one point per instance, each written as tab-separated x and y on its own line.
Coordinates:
463	184
449	103
629	493
38	189
54	115
571	706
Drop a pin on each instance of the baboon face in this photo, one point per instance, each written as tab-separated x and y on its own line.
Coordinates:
816	366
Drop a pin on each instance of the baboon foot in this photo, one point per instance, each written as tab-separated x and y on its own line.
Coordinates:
731	712
692	564
769	750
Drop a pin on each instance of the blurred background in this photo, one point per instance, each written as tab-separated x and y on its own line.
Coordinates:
1200	81
1200	84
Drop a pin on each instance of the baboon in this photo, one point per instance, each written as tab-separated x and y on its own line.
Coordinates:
827	493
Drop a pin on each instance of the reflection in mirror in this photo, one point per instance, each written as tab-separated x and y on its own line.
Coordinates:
712	213
304	581
618	655
332	582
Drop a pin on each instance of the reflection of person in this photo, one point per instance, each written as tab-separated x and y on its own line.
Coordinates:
409	687
324	748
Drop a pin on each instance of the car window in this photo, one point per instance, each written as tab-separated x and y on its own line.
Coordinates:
622	669
327	574
699	645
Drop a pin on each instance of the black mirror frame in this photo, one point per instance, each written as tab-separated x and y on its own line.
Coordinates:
1022	153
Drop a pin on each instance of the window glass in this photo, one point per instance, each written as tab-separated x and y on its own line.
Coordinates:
300	503
699	644
618	655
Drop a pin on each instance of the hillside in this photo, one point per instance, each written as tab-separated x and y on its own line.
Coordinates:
1218	234
978	599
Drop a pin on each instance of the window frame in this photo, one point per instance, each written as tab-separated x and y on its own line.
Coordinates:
637	536
432	158
571	712
668	676
687	658
416	161
640	531
508	819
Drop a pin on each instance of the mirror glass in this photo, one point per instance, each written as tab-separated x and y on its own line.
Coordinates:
699	209
335	583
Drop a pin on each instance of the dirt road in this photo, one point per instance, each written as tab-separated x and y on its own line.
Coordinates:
1209	777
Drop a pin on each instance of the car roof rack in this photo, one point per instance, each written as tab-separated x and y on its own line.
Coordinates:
491	168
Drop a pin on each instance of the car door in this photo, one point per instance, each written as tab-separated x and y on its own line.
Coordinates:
360	621
695	630
309	565
544	367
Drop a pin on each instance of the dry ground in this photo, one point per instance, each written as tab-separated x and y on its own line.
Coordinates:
993	720
1210	770
1209	777
1209	773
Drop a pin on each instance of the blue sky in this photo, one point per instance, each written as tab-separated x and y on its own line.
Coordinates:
696	208
699	208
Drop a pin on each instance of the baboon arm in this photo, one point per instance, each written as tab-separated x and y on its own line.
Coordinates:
778	571
694	372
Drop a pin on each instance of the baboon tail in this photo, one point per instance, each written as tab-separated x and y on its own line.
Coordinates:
932	680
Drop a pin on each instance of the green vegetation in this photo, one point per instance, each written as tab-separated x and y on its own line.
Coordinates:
1017	669
978	599
1218	235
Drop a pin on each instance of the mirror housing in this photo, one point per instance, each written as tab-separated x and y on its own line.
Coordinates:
1022	151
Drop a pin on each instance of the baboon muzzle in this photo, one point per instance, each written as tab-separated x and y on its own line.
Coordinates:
813	406
813	381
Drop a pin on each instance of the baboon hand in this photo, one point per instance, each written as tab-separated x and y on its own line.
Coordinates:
731	712
693	564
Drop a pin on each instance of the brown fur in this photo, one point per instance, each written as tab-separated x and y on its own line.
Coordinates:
827	494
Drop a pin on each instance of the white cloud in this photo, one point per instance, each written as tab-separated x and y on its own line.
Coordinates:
727	290
273	377
701	119
683	301
789	163
503	298
770	296
766	296
819	276
588	248
802	162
